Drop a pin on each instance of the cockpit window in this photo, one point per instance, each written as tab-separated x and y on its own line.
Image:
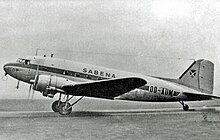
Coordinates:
23	61
20	60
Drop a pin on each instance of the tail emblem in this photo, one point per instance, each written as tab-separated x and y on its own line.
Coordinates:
192	73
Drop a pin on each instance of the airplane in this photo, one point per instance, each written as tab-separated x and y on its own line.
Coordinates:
51	76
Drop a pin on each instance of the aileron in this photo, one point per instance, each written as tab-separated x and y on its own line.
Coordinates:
202	95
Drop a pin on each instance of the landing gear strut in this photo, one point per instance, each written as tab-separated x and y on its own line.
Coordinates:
185	106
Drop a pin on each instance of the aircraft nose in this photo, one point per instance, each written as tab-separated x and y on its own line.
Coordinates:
6	68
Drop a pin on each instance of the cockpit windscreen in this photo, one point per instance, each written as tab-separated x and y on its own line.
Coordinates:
23	61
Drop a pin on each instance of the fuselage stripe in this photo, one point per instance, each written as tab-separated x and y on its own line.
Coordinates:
61	71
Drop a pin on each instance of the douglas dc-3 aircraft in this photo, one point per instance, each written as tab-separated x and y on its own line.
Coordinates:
68	78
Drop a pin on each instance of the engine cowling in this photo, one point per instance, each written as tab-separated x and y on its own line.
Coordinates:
50	84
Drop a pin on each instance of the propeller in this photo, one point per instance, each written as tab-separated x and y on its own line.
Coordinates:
33	85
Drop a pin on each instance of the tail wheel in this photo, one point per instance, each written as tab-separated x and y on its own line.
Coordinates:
55	106
65	109
185	107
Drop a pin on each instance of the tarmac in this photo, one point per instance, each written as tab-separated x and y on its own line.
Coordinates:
103	119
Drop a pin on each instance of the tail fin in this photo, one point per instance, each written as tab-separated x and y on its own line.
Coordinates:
200	75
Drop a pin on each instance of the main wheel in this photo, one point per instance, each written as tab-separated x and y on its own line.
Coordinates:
65	109
55	106
185	107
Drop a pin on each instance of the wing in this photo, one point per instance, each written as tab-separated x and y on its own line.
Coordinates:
201	95
105	88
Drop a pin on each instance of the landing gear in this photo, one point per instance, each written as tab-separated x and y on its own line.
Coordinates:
64	108
185	106
56	105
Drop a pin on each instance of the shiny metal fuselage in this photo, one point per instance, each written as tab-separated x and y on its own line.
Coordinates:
156	89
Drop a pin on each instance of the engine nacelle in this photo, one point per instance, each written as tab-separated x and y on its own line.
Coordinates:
49	84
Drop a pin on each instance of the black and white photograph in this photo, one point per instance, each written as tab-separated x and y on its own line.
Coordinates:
109	70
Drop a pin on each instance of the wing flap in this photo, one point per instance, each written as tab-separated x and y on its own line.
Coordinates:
105	88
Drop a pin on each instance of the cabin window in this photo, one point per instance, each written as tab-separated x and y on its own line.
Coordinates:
44	68
94	78
71	73
102	78
77	75
83	75
66	73
88	76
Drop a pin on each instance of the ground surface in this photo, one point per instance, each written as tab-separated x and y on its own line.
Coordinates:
102	119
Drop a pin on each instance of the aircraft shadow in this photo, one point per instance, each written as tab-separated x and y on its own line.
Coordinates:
100	113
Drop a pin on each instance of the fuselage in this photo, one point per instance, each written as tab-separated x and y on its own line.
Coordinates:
156	89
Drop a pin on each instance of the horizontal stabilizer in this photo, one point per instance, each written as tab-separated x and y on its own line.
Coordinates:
202	95
105	88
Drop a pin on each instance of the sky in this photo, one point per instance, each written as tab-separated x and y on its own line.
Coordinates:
142	36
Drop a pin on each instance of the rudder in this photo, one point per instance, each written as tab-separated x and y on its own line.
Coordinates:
200	75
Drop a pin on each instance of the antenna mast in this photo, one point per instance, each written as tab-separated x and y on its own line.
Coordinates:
36	51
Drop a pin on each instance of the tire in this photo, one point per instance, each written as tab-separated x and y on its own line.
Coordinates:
185	107
63	110
55	106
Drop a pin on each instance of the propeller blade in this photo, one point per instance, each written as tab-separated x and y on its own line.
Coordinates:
36	77
18	84
32	96
29	92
